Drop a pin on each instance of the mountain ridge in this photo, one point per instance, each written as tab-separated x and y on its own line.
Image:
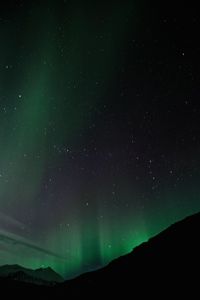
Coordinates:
169	259
42	276
166	264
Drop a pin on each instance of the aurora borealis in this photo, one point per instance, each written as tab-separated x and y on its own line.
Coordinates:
99	128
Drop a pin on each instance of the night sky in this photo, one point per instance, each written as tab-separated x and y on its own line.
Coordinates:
99	128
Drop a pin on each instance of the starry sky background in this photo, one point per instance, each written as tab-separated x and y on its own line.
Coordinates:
99	128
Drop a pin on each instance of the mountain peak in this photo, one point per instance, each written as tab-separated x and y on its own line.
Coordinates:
39	276
165	265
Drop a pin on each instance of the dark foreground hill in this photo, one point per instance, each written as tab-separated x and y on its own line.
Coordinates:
165	266
167	263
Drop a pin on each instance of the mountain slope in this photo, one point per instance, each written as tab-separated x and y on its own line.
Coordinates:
165	266
168	262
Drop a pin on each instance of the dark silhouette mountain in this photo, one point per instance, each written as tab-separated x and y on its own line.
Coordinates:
165	266
41	276
167	263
